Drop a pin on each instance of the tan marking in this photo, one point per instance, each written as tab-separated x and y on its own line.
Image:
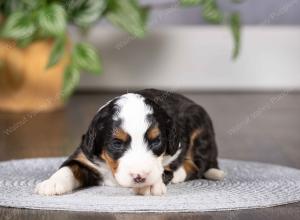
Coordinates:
196	133
120	134
153	133
80	157
77	173
189	166
188	163
167	168
110	162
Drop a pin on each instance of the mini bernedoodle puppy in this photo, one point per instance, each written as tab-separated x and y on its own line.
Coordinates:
144	141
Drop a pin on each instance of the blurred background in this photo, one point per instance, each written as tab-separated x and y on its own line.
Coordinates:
61	60
183	51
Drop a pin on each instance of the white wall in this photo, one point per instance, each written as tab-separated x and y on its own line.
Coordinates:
197	58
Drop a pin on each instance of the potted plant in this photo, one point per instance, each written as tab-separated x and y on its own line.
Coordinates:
40	65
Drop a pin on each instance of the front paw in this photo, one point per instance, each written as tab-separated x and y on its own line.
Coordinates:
158	189
52	187
144	191
63	181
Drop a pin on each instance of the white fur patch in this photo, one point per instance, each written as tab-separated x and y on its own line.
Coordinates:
108	178
169	159
214	174
158	188
62	181
140	162
133	112
138	159
179	175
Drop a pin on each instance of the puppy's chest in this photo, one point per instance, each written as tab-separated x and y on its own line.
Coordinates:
107	177
167	159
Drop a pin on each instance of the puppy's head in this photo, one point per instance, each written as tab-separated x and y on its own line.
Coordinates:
131	134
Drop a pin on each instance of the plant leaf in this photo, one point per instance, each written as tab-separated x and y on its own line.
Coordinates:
52	19
7	7
128	15
31	4
71	80
190	2
85	57
25	42
235	24
211	12
57	51
85	12
18	26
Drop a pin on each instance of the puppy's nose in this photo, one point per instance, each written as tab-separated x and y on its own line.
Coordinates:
139	178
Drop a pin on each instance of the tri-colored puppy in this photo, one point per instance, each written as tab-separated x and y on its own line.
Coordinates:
144	141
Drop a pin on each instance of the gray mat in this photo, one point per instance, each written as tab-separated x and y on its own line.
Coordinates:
247	185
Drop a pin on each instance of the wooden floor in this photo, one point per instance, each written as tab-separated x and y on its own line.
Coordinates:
249	126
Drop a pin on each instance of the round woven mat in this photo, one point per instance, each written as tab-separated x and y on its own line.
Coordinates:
247	185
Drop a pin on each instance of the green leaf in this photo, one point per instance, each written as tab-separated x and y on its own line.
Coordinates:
25	42
144	11
71	80
85	12
211	12
9	6
18	26
31	4
57	51
128	15
190	2
235	24
85	57
52	19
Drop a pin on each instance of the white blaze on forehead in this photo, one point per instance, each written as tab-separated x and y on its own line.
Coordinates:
138	159
133	112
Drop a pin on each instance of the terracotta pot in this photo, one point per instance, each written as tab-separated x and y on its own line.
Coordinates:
25	83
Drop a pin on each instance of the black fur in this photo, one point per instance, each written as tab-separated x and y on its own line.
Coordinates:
185	116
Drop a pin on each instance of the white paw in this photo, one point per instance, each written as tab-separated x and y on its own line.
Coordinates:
214	174
144	191
63	181
179	175
158	189
51	187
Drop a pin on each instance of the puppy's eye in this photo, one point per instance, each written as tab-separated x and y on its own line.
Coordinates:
117	143
155	142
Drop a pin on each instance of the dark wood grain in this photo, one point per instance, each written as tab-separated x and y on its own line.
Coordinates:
268	131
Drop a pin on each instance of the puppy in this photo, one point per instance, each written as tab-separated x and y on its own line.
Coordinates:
144	141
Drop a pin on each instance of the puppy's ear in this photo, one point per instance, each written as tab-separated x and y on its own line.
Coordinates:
89	140
172	136
168	125
93	139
